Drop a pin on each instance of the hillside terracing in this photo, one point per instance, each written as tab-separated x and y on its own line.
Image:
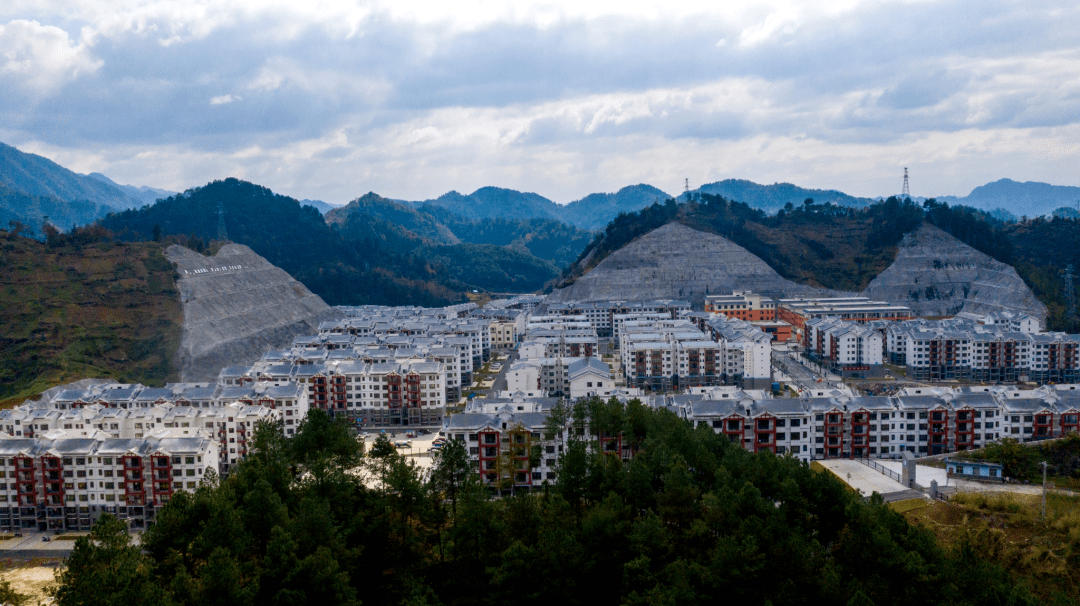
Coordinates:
676	261
237	305
937	275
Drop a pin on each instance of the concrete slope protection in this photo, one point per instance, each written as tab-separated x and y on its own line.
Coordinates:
933	273
937	275
237	305
678	262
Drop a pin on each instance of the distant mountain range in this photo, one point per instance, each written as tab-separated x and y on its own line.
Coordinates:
771	198
322	207
69	198
145	194
590	213
33	188
1031	198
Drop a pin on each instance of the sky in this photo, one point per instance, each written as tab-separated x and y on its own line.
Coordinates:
410	99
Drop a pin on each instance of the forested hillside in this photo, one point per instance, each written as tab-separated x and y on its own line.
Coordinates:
690	519
771	198
546	239
359	258
33	211
38	176
82	305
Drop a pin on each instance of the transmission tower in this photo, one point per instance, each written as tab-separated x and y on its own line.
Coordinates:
686	188
1070	296
906	192
222	235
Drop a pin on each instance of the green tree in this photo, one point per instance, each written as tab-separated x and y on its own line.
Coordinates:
451	470
104	568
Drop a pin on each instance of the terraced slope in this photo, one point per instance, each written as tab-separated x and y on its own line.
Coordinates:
676	261
237	305
937	275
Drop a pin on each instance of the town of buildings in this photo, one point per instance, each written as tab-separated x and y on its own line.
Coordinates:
127	449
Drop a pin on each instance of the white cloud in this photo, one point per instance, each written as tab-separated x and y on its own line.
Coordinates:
41	58
411	98
223	99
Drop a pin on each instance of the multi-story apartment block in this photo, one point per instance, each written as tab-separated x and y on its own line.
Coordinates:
848	349
742	305
601	314
409	393
921	421
959	349
67	483
747	352
500	440
797	312
556	342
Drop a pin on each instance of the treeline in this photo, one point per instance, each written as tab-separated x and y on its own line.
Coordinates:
363	259
690	519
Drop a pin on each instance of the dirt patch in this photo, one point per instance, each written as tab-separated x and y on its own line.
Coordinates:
32	579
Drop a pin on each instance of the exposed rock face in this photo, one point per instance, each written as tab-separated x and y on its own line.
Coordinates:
677	262
937	275
237	305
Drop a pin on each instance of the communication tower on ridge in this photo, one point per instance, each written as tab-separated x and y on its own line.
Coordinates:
687	188
905	193
1070	295
221	233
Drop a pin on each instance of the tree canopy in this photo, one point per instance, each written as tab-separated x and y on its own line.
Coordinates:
689	519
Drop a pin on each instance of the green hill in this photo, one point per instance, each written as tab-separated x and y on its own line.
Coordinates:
360	257
84	306
772	198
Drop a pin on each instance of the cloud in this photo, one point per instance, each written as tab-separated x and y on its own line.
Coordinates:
223	99
551	96
41	58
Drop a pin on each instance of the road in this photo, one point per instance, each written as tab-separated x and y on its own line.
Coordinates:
802	375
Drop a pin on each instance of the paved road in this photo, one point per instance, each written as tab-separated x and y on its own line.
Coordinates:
801	374
862	478
500	378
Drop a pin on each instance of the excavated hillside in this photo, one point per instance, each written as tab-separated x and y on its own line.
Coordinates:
937	275
676	261
236	306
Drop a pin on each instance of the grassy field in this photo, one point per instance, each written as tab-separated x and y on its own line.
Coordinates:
88	309
1008	528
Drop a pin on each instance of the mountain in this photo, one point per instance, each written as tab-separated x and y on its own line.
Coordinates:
594	211
419	223
341	270
1030	199
37	176
358	258
322	207
899	252
547	239
32	211
492	202
145	193
772	198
